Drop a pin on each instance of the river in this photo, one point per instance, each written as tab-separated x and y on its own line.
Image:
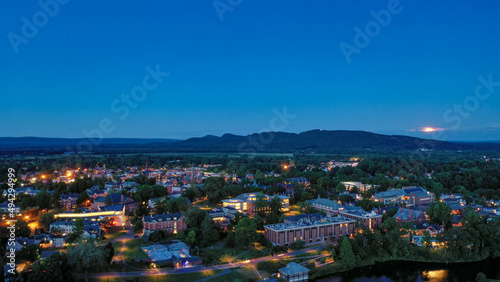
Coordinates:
411	271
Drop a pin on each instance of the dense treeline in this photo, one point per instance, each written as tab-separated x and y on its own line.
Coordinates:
475	239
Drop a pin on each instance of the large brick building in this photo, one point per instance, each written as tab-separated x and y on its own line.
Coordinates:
310	229
169	222
245	203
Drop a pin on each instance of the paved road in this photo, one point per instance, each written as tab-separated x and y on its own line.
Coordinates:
159	272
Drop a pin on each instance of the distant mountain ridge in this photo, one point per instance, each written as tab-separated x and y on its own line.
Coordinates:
313	141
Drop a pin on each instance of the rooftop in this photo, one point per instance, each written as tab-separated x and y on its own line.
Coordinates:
304	222
163	217
293	268
326	203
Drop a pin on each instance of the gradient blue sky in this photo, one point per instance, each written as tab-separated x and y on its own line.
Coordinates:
228	76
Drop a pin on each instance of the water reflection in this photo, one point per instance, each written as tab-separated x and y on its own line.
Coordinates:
419	272
435	275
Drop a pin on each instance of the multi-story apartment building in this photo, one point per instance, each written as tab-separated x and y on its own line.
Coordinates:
310	229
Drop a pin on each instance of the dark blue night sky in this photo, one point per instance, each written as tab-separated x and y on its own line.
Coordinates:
232	66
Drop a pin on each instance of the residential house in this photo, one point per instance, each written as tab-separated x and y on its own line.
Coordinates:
61	226
299	180
4	208
435	229
58	241
415	216
68	201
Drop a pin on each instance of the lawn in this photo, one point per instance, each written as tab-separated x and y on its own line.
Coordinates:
253	253
133	249
118	246
114	234
223	255
237	274
185	277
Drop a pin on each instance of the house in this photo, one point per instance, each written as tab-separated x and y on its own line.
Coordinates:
129	184
299	180
434	229
61	226
92	231
17	246
25	242
222	216
24	190
44	240
152	202
170	222
4	208
58	241
68	201
9	270
96	192
294	272
415	216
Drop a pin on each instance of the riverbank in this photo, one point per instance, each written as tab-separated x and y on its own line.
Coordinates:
338	269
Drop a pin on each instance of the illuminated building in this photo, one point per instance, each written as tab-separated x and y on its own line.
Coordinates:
245	203
294	272
332	208
310	229
170	222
